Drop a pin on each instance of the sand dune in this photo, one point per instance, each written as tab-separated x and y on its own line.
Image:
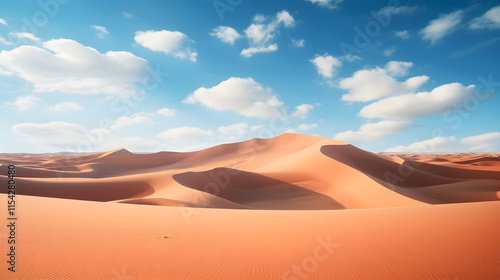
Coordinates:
290	207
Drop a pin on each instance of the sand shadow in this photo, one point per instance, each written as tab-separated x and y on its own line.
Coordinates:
255	191
381	168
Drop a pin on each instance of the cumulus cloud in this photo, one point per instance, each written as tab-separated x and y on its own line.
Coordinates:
302	111
442	26
489	20
233	129
307	126
398	68
185	133
330	4
54	134
248	52
403	34
26	35
420	105
260	34
125	121
24	102
489	142
65	65
166	112
242	95
226	34
101	31
65	107
64	136
372	84
437	144
372	131
326	65
173	43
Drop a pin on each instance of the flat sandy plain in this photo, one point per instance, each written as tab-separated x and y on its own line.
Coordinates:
290	207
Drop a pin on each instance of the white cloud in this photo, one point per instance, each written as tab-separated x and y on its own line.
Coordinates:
2	21
489	142
285	18
185	133
403	34
65	107
434	145
101	31
372	131
330	4
326	65
64	136
233	129
398	68
127	15
420	105
389	51
256	127
248	52
372	84
5	42
307	126
302	110
24	102
175	43
61	135
166	112
442	26
242	95
125	121
67	66
298	43
26	35
226	34
490	20
261	35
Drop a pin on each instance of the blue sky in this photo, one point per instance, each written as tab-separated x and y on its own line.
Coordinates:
401	76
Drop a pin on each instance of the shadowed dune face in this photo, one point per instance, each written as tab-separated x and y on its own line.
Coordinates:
383	169
255	190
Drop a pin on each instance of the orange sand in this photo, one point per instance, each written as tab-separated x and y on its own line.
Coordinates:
291	207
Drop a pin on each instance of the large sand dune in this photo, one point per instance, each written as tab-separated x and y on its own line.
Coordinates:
290	207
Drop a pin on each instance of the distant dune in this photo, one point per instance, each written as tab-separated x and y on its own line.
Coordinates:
290	207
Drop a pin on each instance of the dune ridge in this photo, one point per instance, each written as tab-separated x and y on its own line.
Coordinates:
390	216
